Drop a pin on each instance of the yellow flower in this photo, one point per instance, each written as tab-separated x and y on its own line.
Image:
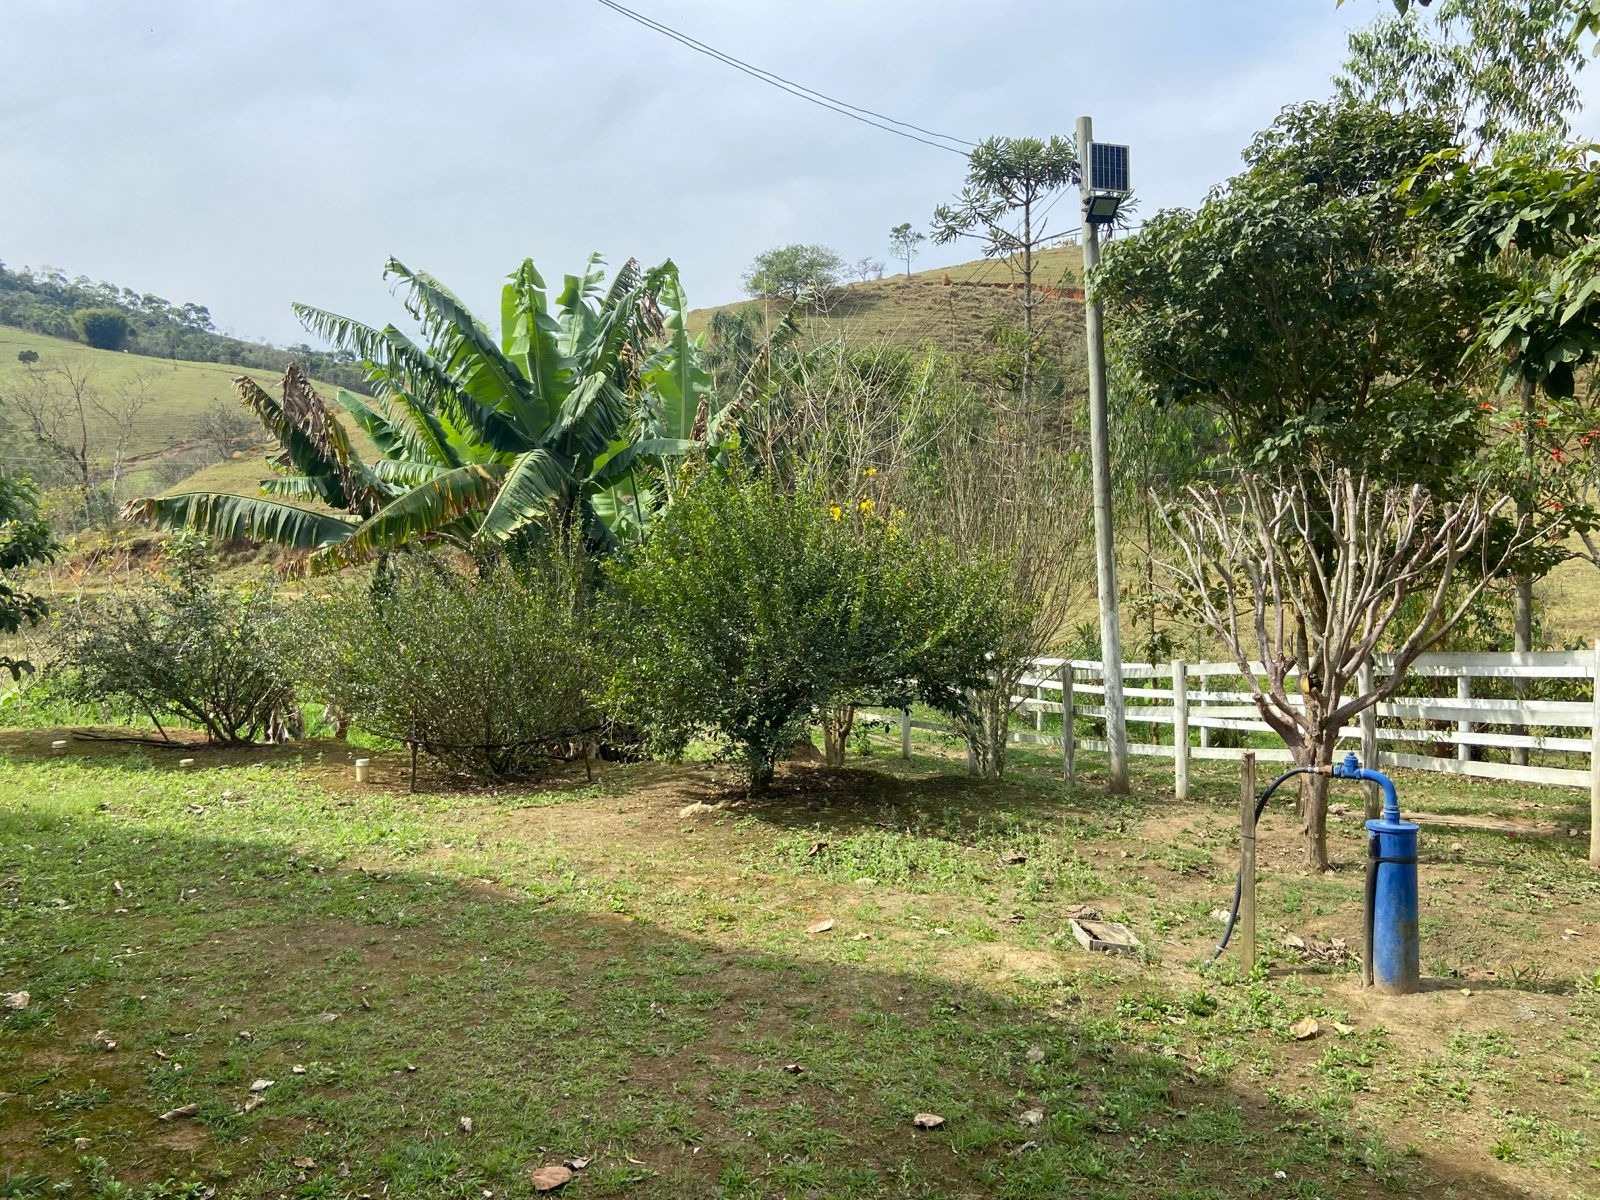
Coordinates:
872	471
867	505
835	511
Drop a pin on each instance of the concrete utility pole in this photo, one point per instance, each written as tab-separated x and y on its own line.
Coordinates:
1105	551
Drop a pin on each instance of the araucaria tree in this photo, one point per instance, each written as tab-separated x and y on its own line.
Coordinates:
568	421
1009	180
1326	328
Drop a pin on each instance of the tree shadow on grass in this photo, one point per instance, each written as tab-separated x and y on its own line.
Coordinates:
383	1007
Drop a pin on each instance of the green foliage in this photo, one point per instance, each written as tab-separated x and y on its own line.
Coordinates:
27	357
25	538
749	610
486	673
46	301
1496	70
903	243
1302	306
795	272
566	422
186	647
1006	176
102	328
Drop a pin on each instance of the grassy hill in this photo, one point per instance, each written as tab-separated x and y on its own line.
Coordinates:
953	307
164	433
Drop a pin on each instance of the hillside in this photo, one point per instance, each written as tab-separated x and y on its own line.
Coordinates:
954	315
164	432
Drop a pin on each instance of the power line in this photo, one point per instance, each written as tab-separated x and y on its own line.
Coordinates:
833	104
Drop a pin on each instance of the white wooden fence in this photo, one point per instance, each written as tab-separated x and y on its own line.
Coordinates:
1197	699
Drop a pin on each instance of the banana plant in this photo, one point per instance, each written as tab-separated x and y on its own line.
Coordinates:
572	419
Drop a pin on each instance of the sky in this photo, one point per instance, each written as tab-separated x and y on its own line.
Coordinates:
244	155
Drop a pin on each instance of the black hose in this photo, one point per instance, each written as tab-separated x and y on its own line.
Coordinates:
1238	886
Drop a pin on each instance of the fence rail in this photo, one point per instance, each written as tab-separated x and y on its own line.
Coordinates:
1202	699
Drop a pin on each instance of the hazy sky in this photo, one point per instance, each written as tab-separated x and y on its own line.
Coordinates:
243	155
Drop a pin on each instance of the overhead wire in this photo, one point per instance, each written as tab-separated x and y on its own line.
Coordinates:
855	112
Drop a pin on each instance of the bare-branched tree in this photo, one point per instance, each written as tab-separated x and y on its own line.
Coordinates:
1006	496
1311	572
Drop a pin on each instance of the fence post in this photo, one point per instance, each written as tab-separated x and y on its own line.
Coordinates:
1205	730
1369	739
1463	692
905	733
1068	734
1180	730
1247	862
1594	770
1038	712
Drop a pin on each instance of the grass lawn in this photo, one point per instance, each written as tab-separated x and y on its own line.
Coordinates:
367	993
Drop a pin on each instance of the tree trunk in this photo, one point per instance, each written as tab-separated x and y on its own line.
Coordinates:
1314	802
836	726
1027	305
1523	613
988	731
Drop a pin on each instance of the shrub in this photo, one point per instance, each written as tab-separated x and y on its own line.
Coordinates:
486	674
749	613
102	328
183	647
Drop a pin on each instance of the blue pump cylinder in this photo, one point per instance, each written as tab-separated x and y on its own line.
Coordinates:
1392	906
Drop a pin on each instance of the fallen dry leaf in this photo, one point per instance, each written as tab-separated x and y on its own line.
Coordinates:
17	1001
1304	1028
1035	1054
548	1179
298	1069
927	1120
1294	941
1032	1116
305	1164
252	1103
1013	858
1342	1029
576	1164
820	926
466	1124
172	1114
262	1085
794	1068
816	849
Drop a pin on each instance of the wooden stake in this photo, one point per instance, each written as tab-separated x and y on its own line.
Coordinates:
1594	771
1180	730
1463	692
1069	766
905	734
1246	927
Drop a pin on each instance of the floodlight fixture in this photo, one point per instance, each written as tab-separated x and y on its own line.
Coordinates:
1101	208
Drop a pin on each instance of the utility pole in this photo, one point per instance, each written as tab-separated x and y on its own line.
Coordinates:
1105	551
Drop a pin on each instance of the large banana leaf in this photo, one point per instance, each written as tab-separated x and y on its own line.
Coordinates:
673	374
525	494
235	518
425	509
532	339
481	369
618	465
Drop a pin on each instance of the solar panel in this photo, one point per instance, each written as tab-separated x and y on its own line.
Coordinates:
1108	168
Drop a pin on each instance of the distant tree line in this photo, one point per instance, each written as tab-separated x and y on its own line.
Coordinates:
109	317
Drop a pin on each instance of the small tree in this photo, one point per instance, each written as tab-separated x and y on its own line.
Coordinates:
795	272
866	267
903	243
24	539
1009	179
185	647
27	357
1312	572
102	328
224	429
750	614
487	673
